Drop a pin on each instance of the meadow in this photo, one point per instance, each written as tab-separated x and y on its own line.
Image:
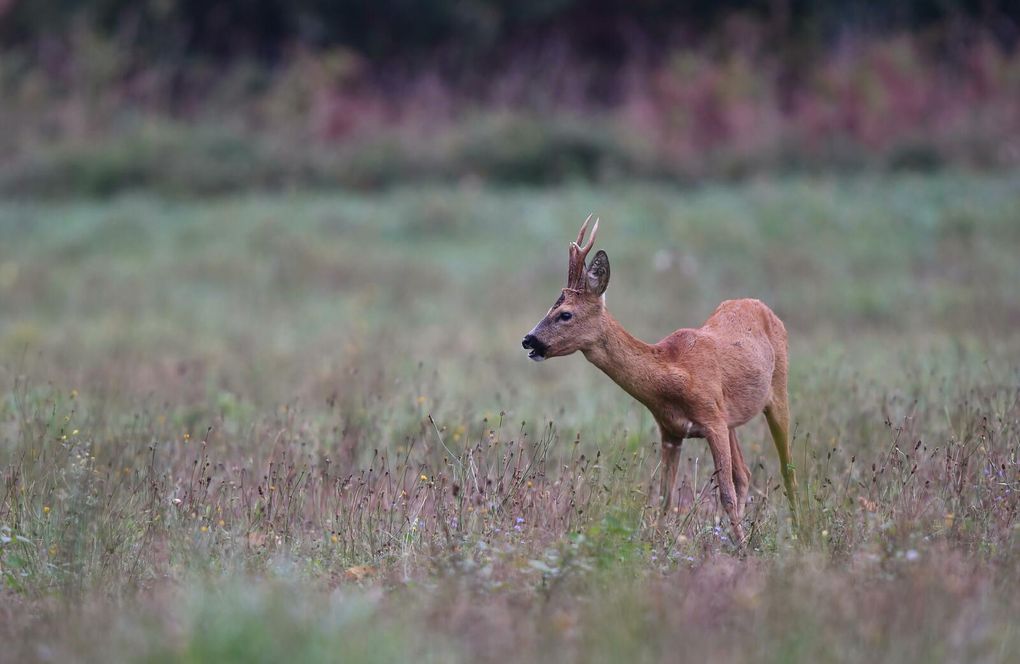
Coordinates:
300	426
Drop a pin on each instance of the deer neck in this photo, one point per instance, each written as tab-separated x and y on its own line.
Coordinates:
630	362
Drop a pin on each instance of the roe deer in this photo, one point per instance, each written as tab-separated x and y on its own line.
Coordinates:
698	383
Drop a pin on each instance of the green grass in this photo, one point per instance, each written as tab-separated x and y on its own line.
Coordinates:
215	439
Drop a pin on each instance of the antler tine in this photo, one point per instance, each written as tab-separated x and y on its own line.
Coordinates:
584	227
591	238
575	268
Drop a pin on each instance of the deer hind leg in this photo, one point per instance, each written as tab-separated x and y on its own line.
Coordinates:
670	464
741	473
719	444
778	415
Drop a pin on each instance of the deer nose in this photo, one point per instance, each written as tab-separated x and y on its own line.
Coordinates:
528	341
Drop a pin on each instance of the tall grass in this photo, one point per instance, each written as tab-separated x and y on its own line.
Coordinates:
270	427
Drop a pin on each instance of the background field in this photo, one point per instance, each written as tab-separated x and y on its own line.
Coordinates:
217	441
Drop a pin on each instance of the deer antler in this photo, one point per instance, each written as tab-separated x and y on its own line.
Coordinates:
578	254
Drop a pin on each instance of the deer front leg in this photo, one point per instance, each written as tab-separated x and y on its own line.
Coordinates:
719	443
670	464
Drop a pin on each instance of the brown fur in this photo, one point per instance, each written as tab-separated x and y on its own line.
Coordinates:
697	382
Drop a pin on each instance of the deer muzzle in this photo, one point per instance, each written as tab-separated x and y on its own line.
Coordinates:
537	348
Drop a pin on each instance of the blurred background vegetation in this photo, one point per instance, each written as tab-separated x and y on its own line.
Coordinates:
186	97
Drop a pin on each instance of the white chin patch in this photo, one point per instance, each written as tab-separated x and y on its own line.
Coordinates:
537	358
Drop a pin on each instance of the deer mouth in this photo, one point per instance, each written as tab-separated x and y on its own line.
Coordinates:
537	348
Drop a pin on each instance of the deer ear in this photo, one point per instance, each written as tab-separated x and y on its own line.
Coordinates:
598	273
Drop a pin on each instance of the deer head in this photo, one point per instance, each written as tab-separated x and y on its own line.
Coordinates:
576	319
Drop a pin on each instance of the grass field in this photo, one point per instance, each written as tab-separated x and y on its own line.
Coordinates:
301	427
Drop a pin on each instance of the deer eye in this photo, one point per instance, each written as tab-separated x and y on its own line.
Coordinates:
565	316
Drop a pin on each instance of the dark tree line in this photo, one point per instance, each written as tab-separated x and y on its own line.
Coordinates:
404	30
